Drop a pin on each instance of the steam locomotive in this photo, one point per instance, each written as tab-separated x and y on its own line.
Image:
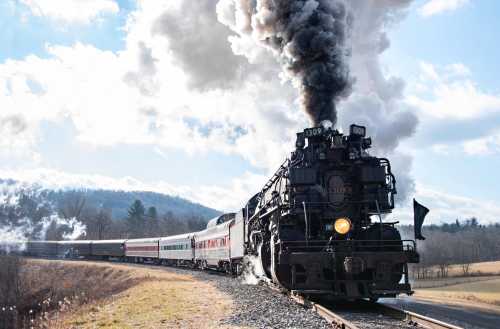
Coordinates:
317	225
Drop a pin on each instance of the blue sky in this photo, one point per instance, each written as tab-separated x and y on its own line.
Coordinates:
24	34
98	97
468	36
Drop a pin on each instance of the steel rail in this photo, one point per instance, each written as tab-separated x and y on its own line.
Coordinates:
334	319
414	318
420	321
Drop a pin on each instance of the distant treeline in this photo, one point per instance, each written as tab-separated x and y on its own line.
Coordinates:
461	242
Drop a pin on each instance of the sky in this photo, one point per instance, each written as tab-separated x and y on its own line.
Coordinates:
166	96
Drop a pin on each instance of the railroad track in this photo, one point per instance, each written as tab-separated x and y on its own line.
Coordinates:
336	320
415	318
360	312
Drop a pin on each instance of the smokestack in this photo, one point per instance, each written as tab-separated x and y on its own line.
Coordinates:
308	37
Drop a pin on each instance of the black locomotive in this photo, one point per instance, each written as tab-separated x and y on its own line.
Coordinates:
317	224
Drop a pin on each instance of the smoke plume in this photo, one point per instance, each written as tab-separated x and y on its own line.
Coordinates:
309	39
377	100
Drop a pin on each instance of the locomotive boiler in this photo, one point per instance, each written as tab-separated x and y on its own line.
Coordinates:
317	225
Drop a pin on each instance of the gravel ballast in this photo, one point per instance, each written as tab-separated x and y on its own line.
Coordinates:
257	306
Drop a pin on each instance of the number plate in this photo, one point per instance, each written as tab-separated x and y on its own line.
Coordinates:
312	132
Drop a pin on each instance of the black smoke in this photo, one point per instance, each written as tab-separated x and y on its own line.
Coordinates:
309	38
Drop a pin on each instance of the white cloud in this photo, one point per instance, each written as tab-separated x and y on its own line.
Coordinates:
446	207
442	149
452	94
458	69
434	7
93	89
486	145
72	11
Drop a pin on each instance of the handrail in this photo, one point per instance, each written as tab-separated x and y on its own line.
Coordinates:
354	245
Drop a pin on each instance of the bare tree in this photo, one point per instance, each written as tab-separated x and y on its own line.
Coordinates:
102	223
72	205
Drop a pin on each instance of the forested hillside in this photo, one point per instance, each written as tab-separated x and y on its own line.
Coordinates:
118	202
36	213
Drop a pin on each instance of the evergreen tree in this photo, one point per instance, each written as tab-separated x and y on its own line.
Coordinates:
152	221
152	213
136	219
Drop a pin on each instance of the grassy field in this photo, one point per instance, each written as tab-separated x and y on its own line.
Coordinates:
161	300
485	268
478	272
482	287
110	295
486	291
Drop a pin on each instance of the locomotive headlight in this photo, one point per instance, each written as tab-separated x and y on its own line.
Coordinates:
342	225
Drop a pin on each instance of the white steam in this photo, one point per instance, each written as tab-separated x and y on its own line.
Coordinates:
12	239
26	229
27	214
377	100
253	272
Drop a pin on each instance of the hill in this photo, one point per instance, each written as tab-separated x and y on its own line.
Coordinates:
117	202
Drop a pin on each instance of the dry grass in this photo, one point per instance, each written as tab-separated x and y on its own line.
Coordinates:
485	291
67	294
58	279
160	300
484	268
482	288
478	272
476	269
451	281
44	289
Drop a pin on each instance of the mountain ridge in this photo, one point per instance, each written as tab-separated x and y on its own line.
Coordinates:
117	201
